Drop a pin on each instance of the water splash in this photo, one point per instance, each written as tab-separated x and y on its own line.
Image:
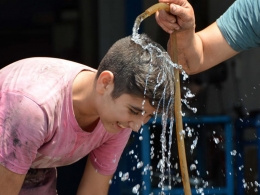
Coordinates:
167	114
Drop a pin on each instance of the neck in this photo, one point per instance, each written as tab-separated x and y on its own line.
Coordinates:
83	98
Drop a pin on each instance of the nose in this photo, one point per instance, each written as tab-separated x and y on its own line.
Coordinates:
136	124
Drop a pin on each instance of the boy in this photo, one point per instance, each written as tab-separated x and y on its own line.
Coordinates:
54	112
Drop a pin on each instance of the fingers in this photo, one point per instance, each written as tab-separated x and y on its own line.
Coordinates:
181	16
182	12
168	22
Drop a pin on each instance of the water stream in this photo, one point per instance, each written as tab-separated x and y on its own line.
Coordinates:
167	114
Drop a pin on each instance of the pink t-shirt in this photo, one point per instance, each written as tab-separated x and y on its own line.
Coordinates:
38	128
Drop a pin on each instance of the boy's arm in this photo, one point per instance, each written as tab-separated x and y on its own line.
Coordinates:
10	182
92	182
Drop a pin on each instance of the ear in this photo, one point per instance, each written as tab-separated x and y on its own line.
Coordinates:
105	81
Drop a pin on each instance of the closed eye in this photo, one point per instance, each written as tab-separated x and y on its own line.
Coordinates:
151	115
134	112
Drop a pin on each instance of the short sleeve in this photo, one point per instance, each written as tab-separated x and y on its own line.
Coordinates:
105	158
240	24
22	131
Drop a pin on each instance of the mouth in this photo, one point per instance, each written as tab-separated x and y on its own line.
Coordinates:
120	125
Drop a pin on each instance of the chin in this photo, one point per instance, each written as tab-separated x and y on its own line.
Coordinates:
112	128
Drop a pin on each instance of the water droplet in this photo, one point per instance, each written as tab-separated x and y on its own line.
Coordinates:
139	164
125	176
216	140
193	167
135	189
233	152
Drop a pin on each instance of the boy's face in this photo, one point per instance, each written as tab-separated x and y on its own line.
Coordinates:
126	111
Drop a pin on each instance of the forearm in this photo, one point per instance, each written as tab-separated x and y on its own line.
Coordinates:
203	50
190	55
196	51
10	183
92	182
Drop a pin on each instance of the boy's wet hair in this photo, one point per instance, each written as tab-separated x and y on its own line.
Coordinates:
139	71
